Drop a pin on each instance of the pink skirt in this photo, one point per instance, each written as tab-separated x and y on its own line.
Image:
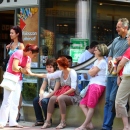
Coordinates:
92	96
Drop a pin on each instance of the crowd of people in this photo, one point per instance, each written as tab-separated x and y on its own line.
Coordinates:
60	86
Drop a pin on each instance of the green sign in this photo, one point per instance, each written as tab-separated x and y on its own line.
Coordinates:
75	53
78	43
77	47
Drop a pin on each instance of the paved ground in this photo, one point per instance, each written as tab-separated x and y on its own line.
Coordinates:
28	126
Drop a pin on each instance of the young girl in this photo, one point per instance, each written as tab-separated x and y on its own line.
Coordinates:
96	86
46	91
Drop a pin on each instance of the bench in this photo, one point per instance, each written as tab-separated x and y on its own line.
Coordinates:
74	115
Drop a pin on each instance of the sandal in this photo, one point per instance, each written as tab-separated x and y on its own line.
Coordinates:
38	124
61	125
47	124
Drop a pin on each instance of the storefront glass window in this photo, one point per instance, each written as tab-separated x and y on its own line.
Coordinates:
61	20
104	18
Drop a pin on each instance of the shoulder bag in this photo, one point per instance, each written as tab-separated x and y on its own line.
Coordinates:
9	81
5	61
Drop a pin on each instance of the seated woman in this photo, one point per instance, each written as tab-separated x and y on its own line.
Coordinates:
96	86
46	91
68	77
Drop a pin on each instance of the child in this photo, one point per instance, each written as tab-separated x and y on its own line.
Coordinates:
46	91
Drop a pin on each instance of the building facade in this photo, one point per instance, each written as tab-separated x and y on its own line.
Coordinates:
48	23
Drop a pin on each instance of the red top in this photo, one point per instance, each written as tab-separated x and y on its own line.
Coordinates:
127	56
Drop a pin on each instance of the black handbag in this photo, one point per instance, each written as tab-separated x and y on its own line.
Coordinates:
5	61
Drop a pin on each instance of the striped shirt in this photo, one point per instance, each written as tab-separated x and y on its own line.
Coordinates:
118	47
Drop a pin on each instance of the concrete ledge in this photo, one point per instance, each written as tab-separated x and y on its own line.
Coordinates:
74	115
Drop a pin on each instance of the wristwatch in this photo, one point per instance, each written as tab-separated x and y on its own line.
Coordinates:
20	69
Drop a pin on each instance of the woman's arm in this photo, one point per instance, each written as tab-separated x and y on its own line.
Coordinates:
44	85
121	64
17	68
69	91
93	71
35	74
56	74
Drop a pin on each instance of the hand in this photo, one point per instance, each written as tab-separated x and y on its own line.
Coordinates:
109	66
40	102
118	80
8	46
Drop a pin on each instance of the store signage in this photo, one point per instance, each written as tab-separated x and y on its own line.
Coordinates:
77	47
17	3
27	19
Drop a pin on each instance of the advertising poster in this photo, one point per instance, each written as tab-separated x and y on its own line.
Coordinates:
77	47
28	21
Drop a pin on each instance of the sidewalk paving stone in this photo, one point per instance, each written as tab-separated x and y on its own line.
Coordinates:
28	126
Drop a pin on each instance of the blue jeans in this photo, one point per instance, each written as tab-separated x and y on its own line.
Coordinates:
38	110
111	90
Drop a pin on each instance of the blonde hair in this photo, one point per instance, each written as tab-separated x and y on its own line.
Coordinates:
103	49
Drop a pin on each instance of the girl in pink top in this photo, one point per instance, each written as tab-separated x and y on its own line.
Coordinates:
18	63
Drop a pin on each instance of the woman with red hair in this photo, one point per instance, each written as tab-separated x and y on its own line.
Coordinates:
17	65
69	95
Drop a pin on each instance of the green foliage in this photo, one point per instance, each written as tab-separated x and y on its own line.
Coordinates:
29	91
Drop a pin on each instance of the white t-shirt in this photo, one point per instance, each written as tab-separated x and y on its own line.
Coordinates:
58	74
101	77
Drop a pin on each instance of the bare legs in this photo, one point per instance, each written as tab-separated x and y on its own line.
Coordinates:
88	113
126	123
63	101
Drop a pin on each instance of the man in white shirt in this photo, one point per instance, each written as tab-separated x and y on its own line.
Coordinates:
87	54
